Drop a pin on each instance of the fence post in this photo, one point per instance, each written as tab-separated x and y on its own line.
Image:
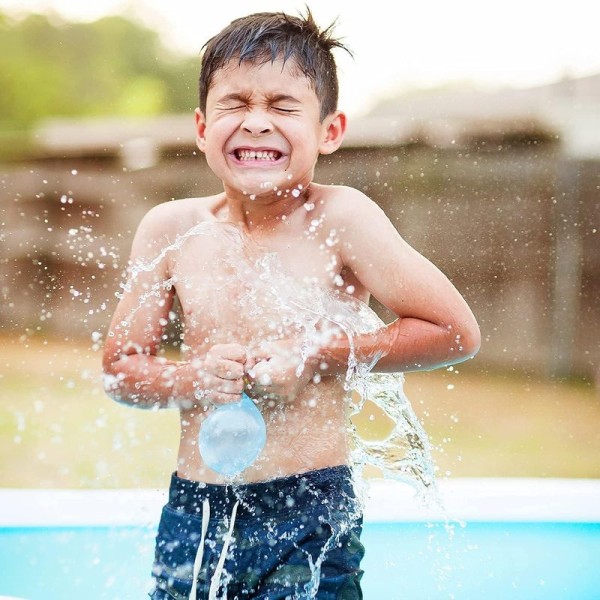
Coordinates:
567	268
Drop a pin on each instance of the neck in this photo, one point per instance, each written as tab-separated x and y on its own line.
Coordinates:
264	211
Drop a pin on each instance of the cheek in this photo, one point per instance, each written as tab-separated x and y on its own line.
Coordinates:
218	132
216	163
216	144
309	136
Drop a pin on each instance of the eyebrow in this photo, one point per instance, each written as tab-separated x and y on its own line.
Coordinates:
245	97
282	98
236	97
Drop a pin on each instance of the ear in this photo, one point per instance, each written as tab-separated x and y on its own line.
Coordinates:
200	130
334	128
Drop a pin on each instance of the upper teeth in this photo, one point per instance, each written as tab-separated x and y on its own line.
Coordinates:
257	154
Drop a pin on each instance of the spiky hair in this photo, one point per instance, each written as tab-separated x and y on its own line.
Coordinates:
265	37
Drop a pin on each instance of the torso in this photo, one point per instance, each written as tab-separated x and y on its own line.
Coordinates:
241	287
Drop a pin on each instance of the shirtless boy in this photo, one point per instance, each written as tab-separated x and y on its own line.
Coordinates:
239	262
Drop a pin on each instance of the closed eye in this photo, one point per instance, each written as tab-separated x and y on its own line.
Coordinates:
284	110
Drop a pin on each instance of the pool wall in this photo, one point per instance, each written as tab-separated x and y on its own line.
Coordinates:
476	499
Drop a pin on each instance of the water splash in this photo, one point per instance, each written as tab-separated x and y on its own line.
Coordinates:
266	292
316	313
405	453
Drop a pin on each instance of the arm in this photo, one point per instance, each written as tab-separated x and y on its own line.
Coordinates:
435	325
133	372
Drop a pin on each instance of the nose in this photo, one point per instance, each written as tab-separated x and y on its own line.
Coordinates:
256	123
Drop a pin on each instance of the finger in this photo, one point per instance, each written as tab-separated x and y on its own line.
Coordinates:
249	364
222	398
258	355
229	369
235	352
261	373
212	382
227	386
261	366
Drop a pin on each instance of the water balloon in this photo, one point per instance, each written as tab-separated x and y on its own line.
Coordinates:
232	437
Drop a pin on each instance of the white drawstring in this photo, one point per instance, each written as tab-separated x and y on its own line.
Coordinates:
200	552
216	578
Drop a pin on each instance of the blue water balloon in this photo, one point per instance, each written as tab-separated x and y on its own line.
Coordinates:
232	437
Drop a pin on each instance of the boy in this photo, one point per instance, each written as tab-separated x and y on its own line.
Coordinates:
249	266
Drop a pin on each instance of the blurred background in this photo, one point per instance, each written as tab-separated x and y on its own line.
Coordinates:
475	127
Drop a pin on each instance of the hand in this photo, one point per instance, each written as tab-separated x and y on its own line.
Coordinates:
219	376
277	371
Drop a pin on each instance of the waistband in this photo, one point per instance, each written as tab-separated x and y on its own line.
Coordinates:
331	487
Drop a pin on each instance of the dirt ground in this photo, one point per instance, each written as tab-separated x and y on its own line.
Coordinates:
58	429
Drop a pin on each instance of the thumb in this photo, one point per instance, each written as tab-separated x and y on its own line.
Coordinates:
250	363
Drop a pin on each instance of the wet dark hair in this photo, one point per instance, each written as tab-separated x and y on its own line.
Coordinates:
264	37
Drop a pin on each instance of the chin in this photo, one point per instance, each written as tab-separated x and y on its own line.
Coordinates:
264	186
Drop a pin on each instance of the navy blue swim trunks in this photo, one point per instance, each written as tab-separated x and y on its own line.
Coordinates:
294	538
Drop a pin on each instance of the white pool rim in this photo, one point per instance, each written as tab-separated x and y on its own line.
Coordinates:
465	499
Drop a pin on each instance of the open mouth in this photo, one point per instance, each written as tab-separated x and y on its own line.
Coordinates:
247	155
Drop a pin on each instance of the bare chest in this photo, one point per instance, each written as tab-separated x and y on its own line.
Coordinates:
233	290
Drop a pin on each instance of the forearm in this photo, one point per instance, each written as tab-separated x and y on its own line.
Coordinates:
148	381
407	344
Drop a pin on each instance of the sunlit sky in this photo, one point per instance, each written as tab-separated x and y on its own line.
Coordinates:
397	45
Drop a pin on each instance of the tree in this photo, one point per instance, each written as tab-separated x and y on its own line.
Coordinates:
112	66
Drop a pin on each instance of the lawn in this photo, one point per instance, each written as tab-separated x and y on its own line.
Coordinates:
58	429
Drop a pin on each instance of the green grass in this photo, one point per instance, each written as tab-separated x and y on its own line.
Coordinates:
58	429
517	426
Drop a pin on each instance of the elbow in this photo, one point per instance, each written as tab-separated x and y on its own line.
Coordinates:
468	341
112	383
113	380
115	388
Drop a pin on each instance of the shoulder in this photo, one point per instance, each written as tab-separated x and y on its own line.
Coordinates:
174	217
165	222
359	223
345	204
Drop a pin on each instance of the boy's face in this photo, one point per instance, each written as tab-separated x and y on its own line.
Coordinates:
262	132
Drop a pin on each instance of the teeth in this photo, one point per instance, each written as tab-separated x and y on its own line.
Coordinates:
257	154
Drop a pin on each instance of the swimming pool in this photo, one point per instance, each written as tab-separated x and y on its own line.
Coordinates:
509	539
